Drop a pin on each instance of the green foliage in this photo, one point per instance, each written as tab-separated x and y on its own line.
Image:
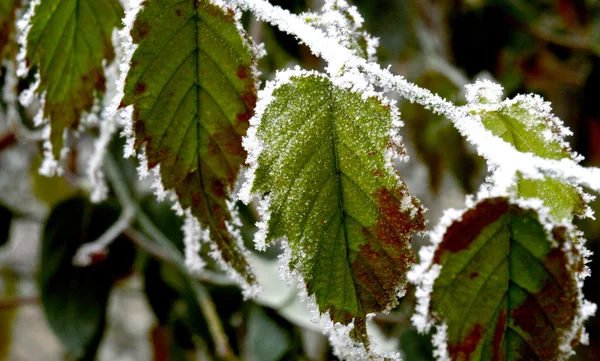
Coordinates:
334	195
191	84
75	298
507	290
68	42
502	280
530	128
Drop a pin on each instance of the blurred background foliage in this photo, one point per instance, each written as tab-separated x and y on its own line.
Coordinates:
137	302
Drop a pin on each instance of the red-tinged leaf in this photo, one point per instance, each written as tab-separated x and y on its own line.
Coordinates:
506	289
68	42
192	88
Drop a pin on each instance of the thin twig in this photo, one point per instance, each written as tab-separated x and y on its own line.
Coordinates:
140	240
18	302
214	323
7	140
85	254
498	153
158	244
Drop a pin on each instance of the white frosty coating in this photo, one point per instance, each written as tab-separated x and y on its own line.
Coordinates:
440	343
26	97
343	22
484	91
23	27
125	115
344	346
342	60
108	127
192	235
49	165
424	274
125	119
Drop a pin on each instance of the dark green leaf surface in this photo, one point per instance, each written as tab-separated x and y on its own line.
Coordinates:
504	291
7	21
68	41
345	212
191	85
74	298
527	129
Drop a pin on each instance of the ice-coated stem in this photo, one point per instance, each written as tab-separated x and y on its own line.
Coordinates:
361	73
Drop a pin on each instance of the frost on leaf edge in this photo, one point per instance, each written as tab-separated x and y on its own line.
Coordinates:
194	234
344	347
424	274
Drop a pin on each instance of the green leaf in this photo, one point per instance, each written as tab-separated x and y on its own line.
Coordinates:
527	123
192	88
74	298
8	10
333	193
68	41
266	339
506	289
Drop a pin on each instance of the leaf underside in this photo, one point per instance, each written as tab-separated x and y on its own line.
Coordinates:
192	88
345	212
68	41
504	292
511	124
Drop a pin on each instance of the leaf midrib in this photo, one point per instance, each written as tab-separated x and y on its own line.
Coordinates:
338	178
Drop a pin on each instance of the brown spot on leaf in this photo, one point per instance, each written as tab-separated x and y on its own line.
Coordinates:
394	225
377	173
242	72
196	199
461	233
140	88
142	30
473	275
249	99
499	336
244	118
469	345
218	189
178	11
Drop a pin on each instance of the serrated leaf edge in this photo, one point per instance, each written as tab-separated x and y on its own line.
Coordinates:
424	274
124	116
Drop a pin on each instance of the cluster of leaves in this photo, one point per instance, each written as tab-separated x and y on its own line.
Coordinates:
321	152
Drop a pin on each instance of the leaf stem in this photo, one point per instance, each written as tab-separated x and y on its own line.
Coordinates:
84	255
498	153
159	245
214	323
18	302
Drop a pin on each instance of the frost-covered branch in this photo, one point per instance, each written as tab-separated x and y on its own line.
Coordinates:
352	70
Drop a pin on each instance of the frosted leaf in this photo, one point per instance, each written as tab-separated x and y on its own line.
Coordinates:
320	162
527	123
185	102
69	52
501	267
